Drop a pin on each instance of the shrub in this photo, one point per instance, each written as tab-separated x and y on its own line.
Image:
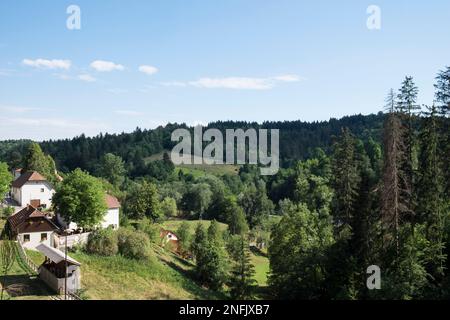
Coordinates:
150	229
134	245
103	242
6	212
169	207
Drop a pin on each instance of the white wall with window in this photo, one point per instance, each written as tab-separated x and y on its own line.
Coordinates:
32	190
32	240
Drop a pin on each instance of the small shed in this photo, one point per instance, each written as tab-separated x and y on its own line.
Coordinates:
53	270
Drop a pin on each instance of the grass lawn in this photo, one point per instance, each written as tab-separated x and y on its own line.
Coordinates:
22	286
261	264
163	276
198	170
117	278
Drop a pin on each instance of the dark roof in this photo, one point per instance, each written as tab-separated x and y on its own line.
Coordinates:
26	213
112	202
28	176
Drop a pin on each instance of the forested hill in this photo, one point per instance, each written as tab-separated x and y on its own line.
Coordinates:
297	140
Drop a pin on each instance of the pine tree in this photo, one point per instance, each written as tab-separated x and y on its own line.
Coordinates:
184	235
407	108
390	101
199	240
345	179
242	273
430	193
214	234
443	100
443	91
210	257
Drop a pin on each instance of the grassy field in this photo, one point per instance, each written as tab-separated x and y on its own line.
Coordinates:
163	276
23	286
261	263
198	170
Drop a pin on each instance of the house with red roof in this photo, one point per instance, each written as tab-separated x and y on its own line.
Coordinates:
31	188
111	218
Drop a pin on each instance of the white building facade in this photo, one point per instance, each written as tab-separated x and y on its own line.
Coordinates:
110	219
32	189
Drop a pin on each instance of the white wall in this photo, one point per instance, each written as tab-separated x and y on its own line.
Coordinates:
35	239
33	191
111	218
17	195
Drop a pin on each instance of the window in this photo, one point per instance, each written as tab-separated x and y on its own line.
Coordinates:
26	238
43	237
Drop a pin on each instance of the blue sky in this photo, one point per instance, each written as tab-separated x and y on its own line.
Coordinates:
208	60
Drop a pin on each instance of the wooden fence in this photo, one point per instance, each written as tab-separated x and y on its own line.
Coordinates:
23	256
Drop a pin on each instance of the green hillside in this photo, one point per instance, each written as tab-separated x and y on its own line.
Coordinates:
198	170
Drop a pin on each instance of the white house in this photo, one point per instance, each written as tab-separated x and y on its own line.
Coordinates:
31	227
31	188
111	218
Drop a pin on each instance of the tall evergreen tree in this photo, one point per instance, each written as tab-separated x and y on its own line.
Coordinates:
442	87
345	179
430	193
408	109
210	257
242	272
443	101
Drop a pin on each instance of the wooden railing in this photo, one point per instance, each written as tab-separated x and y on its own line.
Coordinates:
23	256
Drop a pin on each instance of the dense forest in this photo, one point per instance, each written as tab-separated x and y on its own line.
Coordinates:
352	193
298	140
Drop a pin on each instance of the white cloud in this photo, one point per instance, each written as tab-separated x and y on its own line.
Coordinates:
87	78
148	69
106	66
128	113
288	78
236	83
48	64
